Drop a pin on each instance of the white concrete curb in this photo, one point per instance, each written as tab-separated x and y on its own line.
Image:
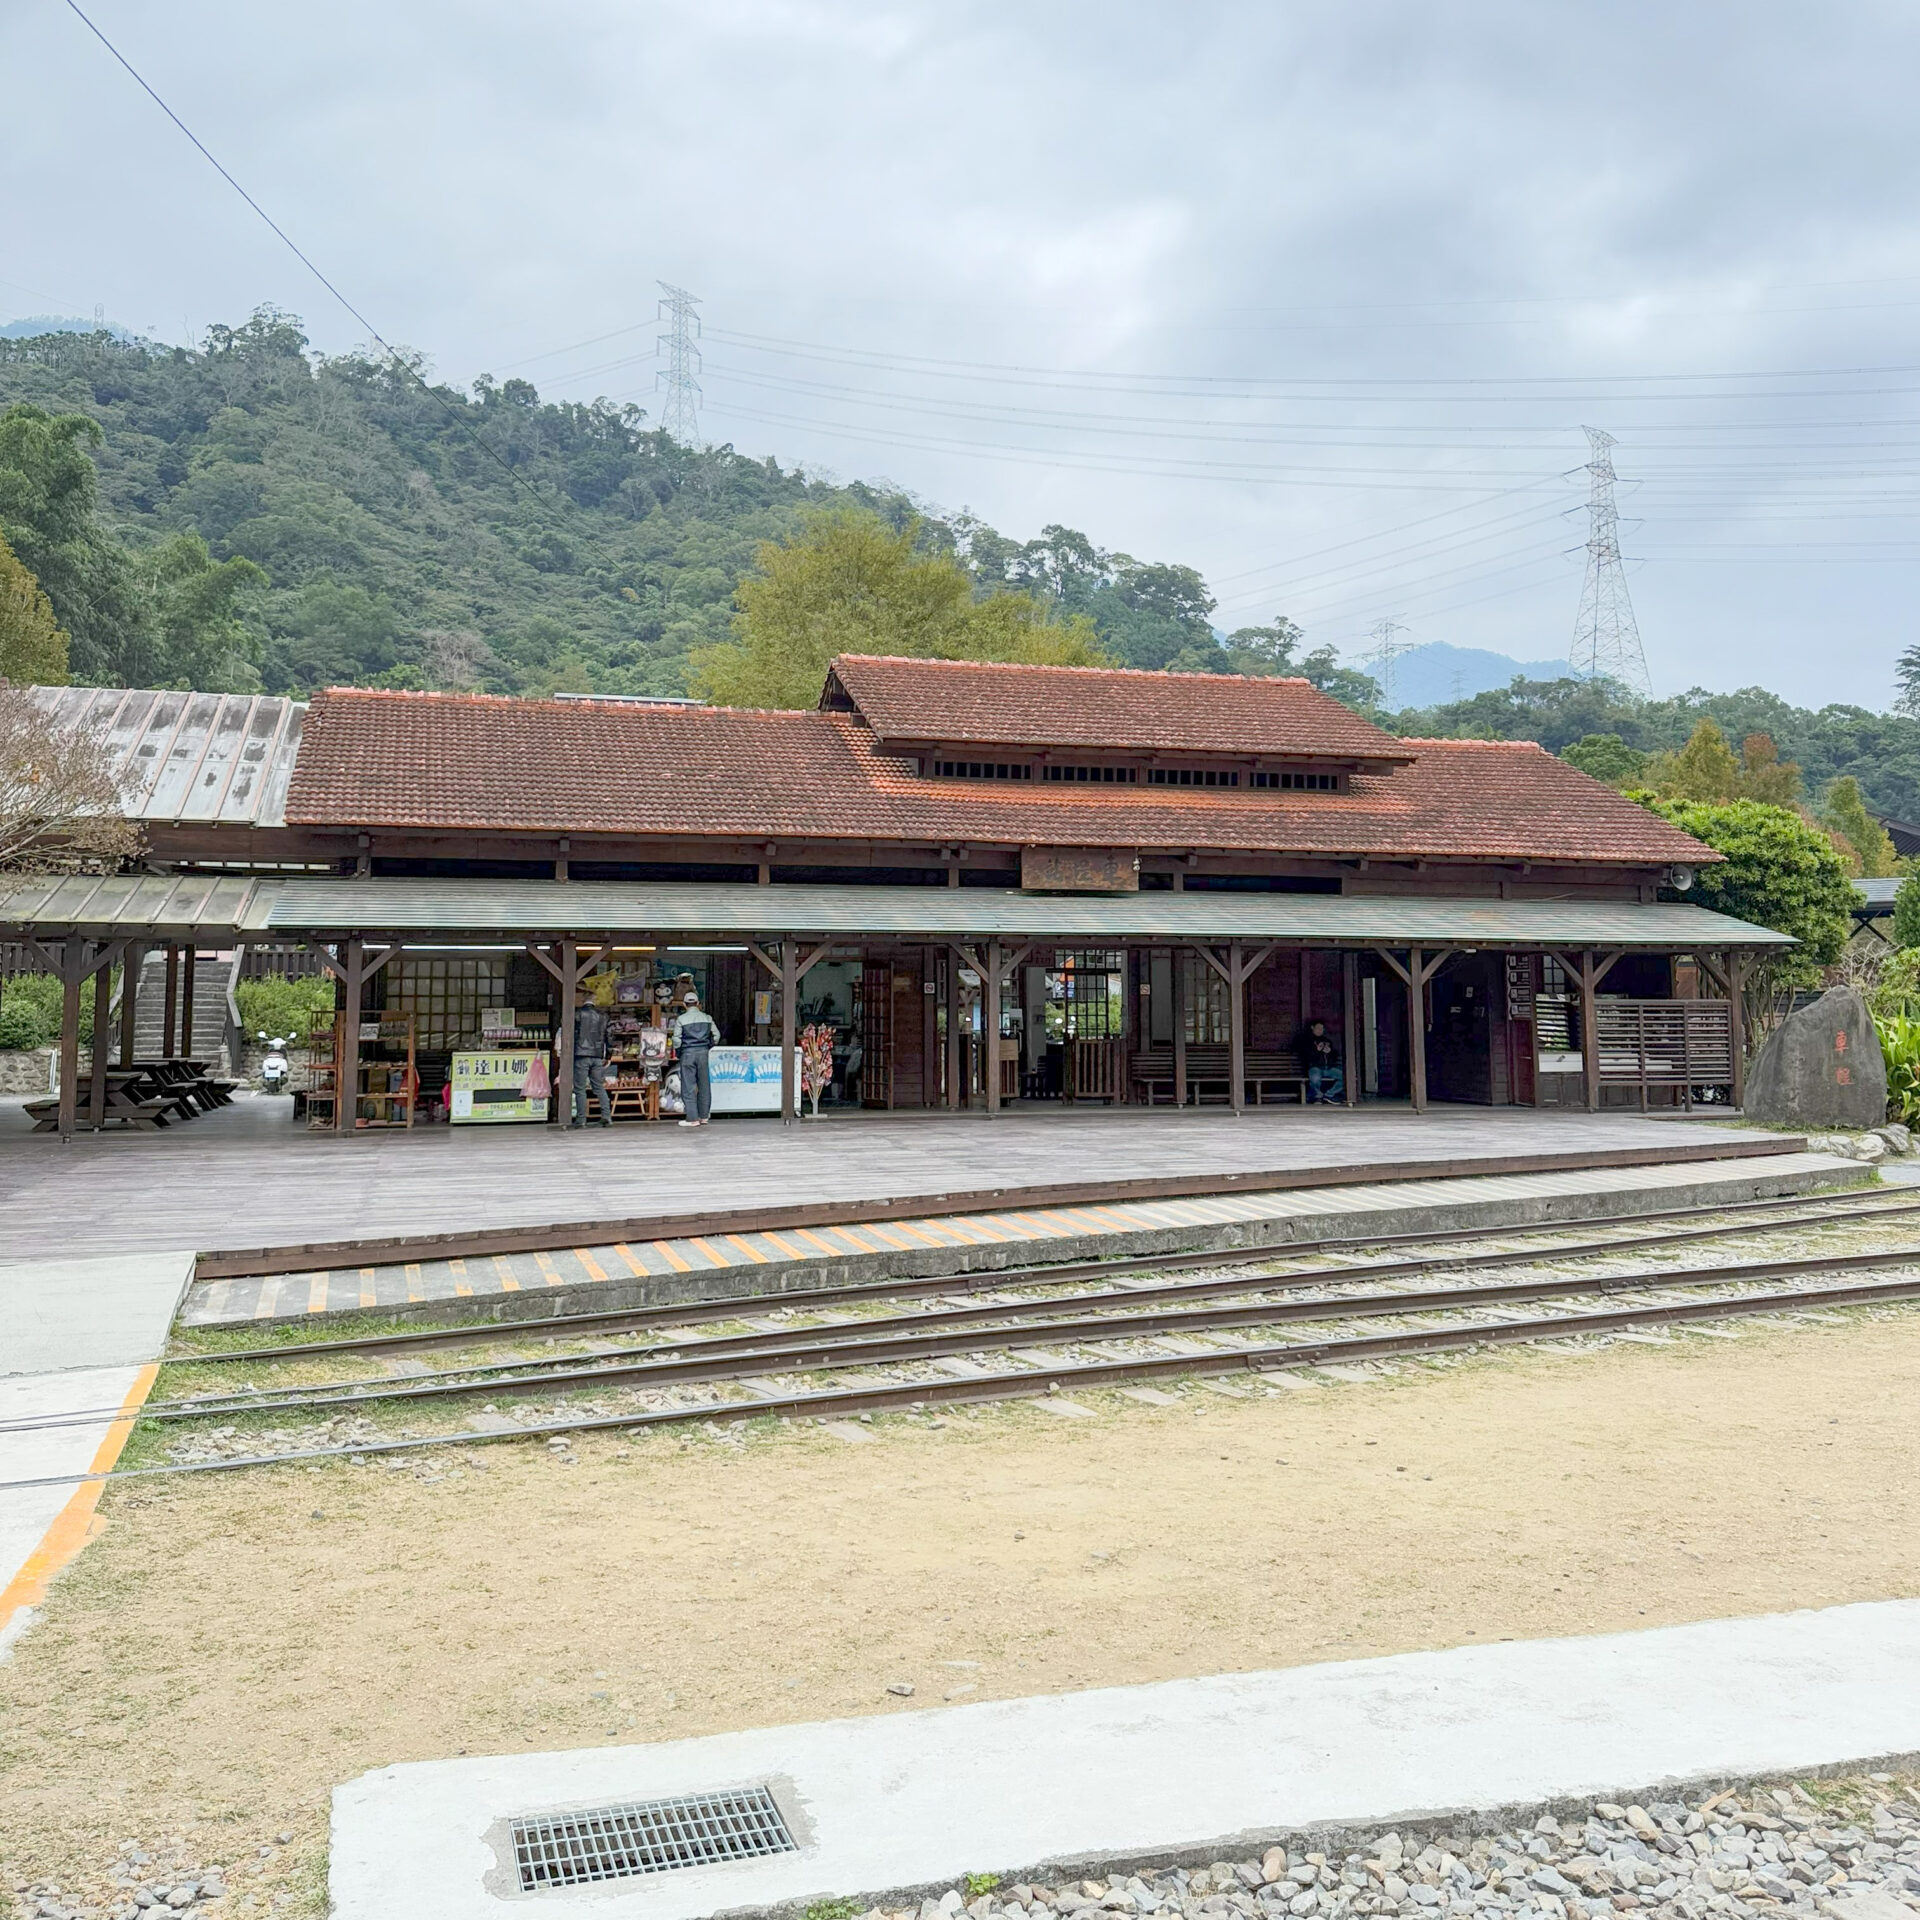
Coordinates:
1203	1767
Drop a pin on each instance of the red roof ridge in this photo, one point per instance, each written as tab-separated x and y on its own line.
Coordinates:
1415	740
1048	666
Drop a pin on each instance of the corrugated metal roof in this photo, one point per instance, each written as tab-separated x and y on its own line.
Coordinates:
238	904
1877	893
481	907
129	905
195	758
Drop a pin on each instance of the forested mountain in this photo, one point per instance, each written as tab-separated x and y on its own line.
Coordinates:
424	537
270	518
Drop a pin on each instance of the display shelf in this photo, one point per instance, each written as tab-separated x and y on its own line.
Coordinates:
388	1080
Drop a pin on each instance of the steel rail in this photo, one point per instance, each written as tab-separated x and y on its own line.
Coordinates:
1057	1323
1064	1273
1062	1376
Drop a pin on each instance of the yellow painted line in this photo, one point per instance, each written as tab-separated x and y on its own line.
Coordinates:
462	1286
317	1293
413	1282
752	1252
544	1261
1043	1225
634	1263
852	1236
266	1299
918	1232
367	1298
886	1237
503	1267
792	1252
595	1271
667	1253
1092	1218
712	1252
825	1246
73	1525
966	1229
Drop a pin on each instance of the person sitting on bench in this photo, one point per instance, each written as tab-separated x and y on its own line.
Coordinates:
1320	1060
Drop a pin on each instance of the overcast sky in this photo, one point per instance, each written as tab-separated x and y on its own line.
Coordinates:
1315	299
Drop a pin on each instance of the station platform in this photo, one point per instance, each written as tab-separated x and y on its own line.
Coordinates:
767	1262
245	1176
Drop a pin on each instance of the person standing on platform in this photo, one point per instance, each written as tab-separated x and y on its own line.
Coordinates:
1320	1057
590	1031
694	1036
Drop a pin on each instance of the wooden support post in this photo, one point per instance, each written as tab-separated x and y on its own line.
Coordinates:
102	1045
189	959
789	993
563	1038
990	1022
1236	1030
169	1018
346	1095
1179	1024
135	959
956	1052
1417	1030
1589	1034
72	972
1350	1025
1737	1019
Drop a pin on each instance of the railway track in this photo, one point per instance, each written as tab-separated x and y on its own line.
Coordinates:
1313	1293
1051	1339
1813	1209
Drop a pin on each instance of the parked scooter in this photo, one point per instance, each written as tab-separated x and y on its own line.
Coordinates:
275	1069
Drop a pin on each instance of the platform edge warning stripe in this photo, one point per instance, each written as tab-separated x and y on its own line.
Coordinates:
72	1525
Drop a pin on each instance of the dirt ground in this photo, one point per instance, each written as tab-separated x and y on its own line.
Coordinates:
230	1648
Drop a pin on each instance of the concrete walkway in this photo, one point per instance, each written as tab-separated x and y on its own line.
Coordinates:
78	1339
904	1803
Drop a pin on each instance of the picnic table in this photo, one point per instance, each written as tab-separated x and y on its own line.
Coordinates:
144	1097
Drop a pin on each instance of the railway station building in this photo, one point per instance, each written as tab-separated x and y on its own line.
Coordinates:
995	884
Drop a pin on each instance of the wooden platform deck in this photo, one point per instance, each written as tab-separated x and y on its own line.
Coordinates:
247	1177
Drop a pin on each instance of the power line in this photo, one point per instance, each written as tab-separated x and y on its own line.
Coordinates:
680	411
398	359
1606	637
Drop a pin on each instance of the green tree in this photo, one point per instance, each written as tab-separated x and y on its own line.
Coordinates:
1704	769
1778	872
33	645
48	495
849	583
1275	650
1906	913
1605	756
1764	775
197	635
1846	813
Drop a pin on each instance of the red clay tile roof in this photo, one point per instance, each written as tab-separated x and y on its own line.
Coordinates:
1093	707
377	759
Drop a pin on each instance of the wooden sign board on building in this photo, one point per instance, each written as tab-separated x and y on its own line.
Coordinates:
1079	870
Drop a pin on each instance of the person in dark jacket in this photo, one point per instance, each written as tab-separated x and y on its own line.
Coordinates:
695	1035
1320	1060
590	1028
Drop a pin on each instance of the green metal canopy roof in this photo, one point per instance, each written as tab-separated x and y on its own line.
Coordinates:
237	907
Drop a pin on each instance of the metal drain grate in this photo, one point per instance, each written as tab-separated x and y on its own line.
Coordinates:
648	1836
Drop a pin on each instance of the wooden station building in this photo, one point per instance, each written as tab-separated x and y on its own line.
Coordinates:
997	883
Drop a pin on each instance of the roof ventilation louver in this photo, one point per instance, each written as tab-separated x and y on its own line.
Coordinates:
647	1836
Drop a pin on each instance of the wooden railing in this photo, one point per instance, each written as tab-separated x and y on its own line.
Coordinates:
1092	1070
1664	1043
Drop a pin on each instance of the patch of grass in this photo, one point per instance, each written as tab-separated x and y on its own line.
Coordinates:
975	1884
833	1910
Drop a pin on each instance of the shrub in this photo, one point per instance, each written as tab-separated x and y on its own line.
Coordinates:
1900	1048
30	1011
279	1006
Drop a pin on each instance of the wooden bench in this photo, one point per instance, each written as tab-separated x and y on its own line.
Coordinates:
1213	1067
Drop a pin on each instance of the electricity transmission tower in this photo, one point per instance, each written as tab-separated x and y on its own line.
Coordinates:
680	410
1606	637
1386	650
